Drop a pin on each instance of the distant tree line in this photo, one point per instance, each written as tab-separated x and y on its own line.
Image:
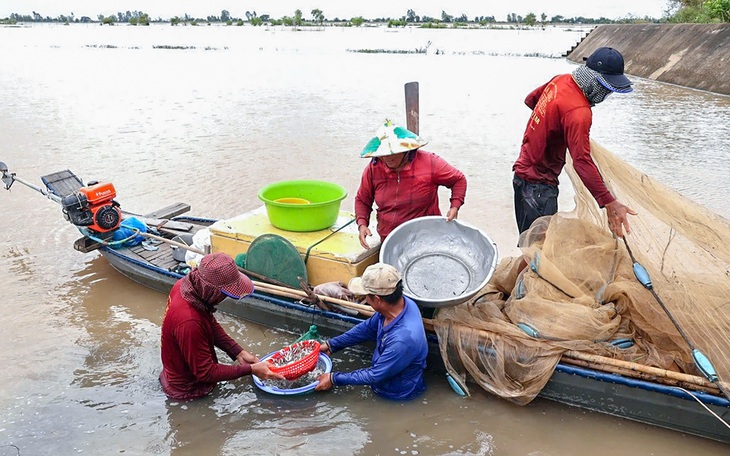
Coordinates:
131	17
677	11
14	18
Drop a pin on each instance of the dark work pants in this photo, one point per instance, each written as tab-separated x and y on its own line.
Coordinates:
533	201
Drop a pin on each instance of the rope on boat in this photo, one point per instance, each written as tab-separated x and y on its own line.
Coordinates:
719	418
701	360
86	232
306	256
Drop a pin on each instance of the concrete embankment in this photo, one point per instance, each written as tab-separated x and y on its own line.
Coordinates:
690	55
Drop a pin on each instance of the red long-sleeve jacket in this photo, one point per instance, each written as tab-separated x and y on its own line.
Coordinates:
190	367
408	193
561	118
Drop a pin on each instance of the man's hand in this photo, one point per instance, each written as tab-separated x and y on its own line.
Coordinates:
364	232
247	357
262	371
324	382
452	214
324	347
618	218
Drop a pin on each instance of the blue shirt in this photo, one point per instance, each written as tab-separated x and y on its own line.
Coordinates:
399	358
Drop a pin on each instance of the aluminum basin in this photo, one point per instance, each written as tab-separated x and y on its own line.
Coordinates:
442	263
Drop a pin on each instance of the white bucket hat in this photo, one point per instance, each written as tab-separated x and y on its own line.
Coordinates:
378	279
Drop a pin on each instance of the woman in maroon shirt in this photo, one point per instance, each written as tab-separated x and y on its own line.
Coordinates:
190	332
403	181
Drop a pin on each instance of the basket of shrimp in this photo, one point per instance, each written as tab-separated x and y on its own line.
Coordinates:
295	360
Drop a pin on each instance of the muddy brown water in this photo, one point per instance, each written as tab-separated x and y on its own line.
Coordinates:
210	125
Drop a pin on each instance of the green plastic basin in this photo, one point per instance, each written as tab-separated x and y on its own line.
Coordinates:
304	205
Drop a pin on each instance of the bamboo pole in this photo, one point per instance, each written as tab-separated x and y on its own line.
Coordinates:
641	369
276	289
639	375
281	293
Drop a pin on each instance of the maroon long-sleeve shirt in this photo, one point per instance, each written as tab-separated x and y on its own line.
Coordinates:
408	193
190	367
561	118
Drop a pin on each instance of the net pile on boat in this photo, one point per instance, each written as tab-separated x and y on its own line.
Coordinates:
574	290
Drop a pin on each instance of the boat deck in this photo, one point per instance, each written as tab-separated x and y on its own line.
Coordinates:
161	258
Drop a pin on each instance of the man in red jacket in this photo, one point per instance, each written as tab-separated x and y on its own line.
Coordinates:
561	119
190	332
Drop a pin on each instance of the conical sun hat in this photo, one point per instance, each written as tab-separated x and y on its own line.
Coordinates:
391	139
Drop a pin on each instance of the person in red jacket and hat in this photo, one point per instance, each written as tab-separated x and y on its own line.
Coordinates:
561	119
190	332
403	181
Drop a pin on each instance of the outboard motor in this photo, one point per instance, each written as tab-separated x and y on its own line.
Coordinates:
93	207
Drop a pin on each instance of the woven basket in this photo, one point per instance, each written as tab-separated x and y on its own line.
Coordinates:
297	368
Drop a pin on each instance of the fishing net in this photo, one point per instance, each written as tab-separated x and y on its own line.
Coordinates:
573	294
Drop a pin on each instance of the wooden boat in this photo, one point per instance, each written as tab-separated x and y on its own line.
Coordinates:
675	401
682	404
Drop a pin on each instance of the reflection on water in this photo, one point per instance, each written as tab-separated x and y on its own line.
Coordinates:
677	136
210	128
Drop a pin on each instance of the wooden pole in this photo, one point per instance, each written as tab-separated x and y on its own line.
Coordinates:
269	280
412	109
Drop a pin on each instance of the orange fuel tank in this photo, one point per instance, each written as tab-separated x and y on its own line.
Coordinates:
99	193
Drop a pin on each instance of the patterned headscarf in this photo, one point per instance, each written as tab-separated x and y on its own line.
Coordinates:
217	277
203	295
589	81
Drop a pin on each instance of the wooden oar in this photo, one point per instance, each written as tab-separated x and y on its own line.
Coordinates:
171	224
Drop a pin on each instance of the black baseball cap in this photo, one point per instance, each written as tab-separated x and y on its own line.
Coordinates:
610	64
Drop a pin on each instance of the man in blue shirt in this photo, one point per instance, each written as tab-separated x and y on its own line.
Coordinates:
400	340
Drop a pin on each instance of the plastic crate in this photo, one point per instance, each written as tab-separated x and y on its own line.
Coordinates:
299	367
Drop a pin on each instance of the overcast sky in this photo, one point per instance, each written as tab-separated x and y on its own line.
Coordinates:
369	9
